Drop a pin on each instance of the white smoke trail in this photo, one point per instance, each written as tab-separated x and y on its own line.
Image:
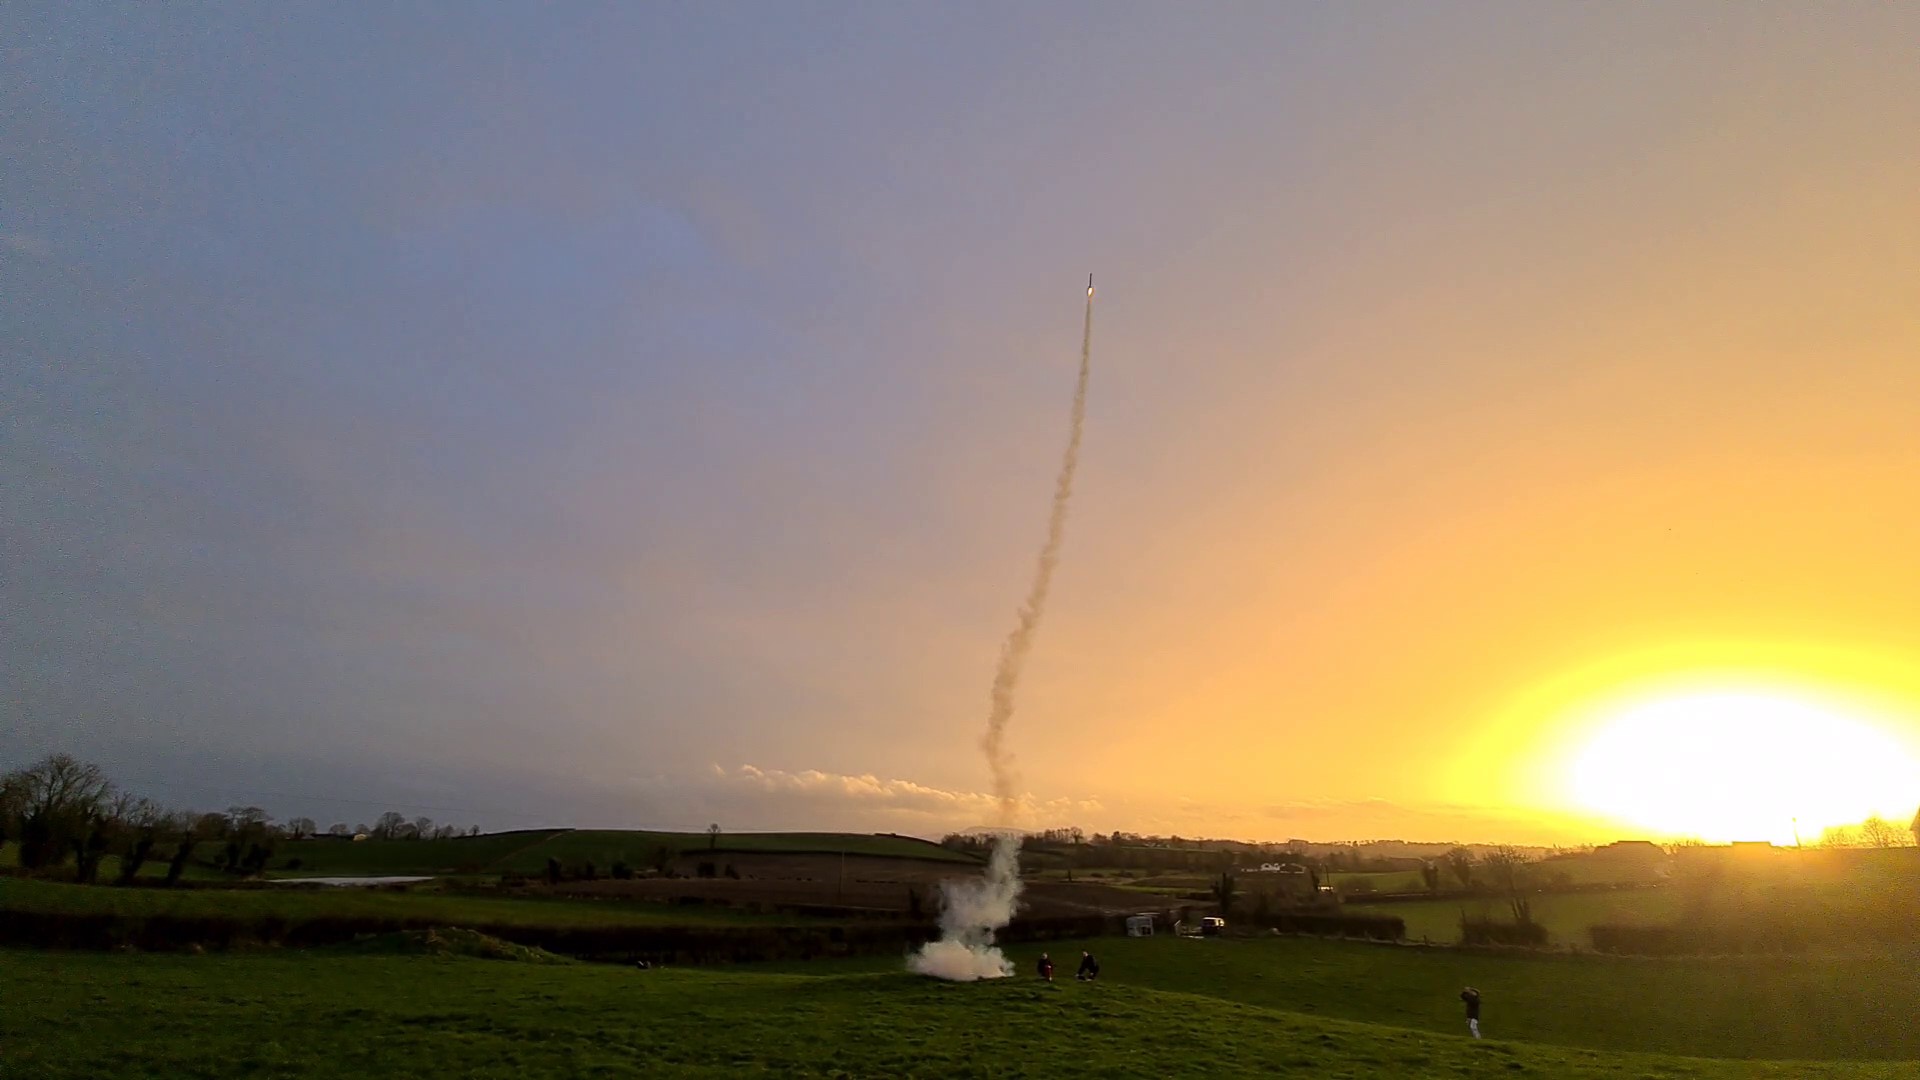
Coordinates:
1013	653
973	910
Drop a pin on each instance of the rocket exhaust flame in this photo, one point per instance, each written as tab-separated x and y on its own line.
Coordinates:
973	910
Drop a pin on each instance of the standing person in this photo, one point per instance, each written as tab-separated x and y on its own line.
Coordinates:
1472	998
1046	968
1089	968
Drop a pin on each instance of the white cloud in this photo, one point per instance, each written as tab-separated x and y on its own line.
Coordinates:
901	802
754	797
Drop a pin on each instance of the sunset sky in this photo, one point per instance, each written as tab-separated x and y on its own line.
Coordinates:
644	415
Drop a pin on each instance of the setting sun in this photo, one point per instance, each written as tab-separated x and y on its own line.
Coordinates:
1740	766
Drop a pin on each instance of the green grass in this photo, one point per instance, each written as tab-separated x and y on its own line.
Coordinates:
470	854
528	852
154	869
296	904
1591	870
1163	883
1855	1005
72	1016
1565	915
445	941
1393	881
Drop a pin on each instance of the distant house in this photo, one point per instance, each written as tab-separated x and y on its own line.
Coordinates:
1740	853
1631	854
1630	849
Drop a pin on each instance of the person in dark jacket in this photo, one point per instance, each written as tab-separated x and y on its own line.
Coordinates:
1089	968
1472	998
1046	968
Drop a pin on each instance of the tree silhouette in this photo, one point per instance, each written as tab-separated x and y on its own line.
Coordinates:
1508	865
1878	832
1225	890
58	800
713	836
1460	861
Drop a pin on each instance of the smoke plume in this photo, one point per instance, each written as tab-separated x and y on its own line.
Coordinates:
973	910
1013	652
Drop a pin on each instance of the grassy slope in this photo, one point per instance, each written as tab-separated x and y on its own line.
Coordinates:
528	852
1392	881
1856	1006
372	857
154	869
1565	915
292	1015
295	904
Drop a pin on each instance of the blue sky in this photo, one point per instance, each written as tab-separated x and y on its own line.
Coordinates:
642	414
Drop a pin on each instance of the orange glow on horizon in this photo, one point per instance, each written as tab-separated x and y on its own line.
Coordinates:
1730	741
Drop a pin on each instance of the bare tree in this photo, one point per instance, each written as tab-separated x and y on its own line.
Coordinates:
1840	836
1460	860
339	828
713	836
246	820
422	828
1508	867
300	828
59	800
1878	832
390	826
1225	891
10	806
185	827
141	823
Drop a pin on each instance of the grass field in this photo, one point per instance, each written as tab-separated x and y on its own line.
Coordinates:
1565	915
528	852
1853	1005
297	904
154	869
1392	881
325	1014
471	854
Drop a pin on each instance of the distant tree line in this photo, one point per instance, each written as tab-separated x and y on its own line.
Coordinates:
60	809
1076	848
1874	832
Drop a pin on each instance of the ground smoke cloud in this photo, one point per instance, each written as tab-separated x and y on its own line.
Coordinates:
973	910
